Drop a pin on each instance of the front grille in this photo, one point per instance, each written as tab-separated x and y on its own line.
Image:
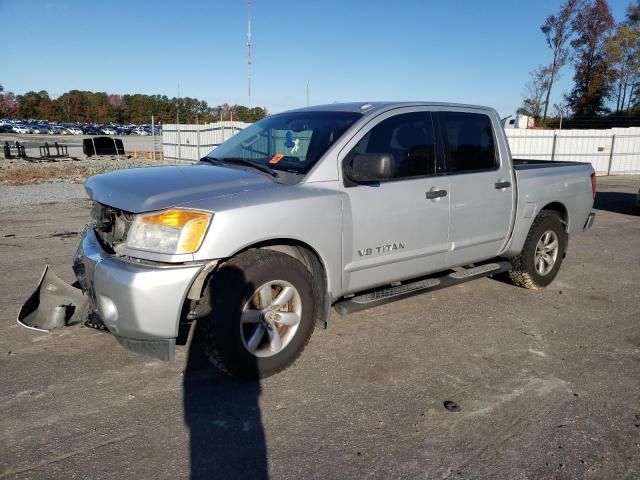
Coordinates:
110	225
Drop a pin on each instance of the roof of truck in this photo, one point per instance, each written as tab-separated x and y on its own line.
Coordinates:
368	107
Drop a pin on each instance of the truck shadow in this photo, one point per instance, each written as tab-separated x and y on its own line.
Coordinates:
617	202
223	416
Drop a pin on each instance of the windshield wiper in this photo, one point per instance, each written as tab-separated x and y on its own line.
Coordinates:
251	163
241	161
211	160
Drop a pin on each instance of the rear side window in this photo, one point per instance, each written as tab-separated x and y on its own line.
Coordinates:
468	142
408	138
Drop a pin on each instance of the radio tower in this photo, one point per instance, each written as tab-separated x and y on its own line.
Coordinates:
249	47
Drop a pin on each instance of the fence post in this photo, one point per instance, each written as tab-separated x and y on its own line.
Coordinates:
198	138
179	142
553	147
613	144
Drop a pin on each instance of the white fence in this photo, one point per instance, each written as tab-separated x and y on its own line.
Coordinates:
614	151
611	152
192	142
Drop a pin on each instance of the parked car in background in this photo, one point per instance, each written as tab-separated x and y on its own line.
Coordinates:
75	130
109	131
19	128
139	131
41	129
93	131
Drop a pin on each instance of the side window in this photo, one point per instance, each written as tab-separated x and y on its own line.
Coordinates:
468	142
408	138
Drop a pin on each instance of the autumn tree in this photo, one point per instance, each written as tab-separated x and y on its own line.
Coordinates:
534	103
557	30
633	23
592	26
623	51
100	107
633	13
8	104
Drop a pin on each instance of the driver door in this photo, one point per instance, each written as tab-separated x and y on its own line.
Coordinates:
396	229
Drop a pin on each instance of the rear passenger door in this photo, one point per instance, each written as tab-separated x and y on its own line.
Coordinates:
480	184
396	229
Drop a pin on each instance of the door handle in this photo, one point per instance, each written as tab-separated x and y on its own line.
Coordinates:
433	194
502	185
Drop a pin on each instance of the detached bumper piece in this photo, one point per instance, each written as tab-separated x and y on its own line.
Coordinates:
54	304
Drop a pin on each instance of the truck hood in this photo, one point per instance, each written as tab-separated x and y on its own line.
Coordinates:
140	190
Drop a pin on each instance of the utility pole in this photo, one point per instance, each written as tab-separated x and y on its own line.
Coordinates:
307	93
249	47
560	120
559	110
153	136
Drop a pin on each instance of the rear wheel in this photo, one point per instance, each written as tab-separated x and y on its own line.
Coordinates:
262	309
542	253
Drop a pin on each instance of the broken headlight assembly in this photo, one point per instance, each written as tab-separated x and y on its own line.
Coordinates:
173	231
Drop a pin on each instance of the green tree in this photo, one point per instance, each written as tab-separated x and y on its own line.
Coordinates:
29	103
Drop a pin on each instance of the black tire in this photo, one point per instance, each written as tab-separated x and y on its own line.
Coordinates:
229	290
524	273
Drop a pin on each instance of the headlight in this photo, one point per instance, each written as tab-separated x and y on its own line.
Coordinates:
171	231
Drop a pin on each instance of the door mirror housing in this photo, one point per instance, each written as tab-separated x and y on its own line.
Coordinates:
371	167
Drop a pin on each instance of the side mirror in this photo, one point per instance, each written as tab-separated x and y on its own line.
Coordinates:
371	167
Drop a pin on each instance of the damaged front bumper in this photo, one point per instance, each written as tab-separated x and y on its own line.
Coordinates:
139	303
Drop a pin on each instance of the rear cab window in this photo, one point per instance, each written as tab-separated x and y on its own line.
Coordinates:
468	142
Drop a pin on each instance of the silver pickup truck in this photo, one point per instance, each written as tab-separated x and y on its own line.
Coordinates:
345	205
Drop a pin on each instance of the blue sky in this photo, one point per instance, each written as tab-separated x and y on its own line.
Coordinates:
350	50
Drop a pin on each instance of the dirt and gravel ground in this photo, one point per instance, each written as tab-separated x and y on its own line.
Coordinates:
76	167
548	381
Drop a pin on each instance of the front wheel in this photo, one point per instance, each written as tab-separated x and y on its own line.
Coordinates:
262	307
542	253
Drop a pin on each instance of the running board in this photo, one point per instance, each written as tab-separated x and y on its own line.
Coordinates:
384	295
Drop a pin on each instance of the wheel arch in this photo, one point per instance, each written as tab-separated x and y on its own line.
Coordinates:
309	257
561	210
523	225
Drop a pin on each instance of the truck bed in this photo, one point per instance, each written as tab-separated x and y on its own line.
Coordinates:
540	183
526	164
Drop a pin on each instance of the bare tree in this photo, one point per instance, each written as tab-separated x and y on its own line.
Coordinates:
633	23
535	89
557	30
623	52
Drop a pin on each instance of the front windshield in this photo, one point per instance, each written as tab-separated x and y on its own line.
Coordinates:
291	142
